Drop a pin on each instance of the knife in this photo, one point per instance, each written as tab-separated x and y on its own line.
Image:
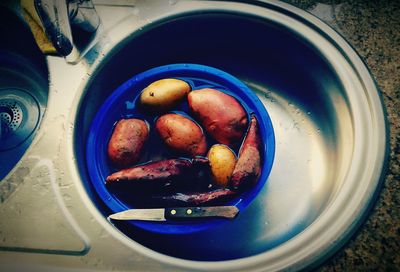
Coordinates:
163	214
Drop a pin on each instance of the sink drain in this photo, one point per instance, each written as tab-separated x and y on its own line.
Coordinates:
19	117
11	115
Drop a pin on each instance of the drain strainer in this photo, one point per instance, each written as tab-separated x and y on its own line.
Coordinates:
11	115
19	117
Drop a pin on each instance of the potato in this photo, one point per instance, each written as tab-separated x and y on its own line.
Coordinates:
181	134
216	197
161	176
163	95
158	172
220	114
222	162
248	166
127	142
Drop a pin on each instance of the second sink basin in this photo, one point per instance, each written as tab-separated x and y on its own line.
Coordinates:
24	89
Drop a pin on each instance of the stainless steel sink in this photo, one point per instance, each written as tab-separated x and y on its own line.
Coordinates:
331	140
24	88
302	91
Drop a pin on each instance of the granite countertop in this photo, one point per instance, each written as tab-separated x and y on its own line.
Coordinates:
373	29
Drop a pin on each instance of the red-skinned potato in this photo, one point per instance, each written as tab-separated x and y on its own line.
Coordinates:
220	114
248	166
181	135
127	142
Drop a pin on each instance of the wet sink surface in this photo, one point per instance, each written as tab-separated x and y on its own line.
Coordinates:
325	109
303	103
23	89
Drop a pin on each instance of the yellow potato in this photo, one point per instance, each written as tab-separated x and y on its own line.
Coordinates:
164	94
222	162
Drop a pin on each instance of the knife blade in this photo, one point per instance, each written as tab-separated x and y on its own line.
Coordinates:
163	214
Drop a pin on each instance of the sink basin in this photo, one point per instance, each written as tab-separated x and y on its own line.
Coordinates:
23	89
331	141
309	106
329	125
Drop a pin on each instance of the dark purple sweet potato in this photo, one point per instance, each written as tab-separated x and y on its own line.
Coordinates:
248	166
218	195
176	174
221	115
161	172
127	142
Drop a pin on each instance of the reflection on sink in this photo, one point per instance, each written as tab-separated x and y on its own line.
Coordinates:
23	89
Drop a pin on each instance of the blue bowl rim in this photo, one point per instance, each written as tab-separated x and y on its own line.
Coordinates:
177	70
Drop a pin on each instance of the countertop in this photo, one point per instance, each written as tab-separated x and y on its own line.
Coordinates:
372	28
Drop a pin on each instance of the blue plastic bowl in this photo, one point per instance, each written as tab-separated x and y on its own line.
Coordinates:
122	104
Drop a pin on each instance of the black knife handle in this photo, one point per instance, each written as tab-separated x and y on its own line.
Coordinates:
201	212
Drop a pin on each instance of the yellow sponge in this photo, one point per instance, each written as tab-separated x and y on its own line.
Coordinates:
32	18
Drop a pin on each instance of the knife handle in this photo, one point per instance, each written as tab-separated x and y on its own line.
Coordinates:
201	212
